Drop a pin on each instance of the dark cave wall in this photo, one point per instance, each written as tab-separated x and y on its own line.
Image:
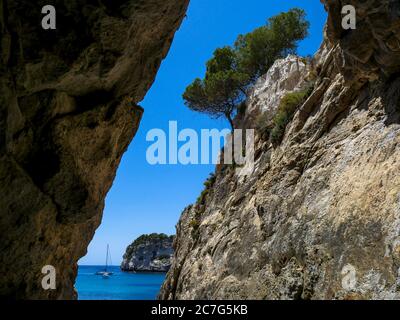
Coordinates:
68	110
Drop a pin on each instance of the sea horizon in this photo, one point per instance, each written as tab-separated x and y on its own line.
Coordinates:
119	286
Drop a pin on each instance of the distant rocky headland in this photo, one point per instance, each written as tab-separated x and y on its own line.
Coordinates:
149	253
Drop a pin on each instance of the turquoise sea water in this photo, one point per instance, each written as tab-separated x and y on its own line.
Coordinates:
119	286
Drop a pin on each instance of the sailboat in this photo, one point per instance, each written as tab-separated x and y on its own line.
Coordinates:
106	274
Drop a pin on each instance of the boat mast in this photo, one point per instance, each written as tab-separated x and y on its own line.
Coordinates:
106	259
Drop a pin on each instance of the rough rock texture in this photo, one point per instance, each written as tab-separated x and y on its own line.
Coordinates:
149	253
68	110
286	75
319	218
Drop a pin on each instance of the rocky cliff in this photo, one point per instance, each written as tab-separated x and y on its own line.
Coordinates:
319	216
149	253
68	110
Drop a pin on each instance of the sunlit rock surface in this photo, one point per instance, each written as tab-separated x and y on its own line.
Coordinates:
319	218
286	75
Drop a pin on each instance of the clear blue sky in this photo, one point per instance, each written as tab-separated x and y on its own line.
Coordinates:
145	198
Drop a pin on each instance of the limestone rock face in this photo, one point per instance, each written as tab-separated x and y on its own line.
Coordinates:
371	49
68	110
319	217
286	75
149	253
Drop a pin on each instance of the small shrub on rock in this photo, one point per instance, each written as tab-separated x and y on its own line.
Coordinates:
285	113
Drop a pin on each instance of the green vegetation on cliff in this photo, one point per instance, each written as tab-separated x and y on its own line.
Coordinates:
285	113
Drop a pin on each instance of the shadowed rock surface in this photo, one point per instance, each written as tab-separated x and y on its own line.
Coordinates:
319	217
68	110
149	253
